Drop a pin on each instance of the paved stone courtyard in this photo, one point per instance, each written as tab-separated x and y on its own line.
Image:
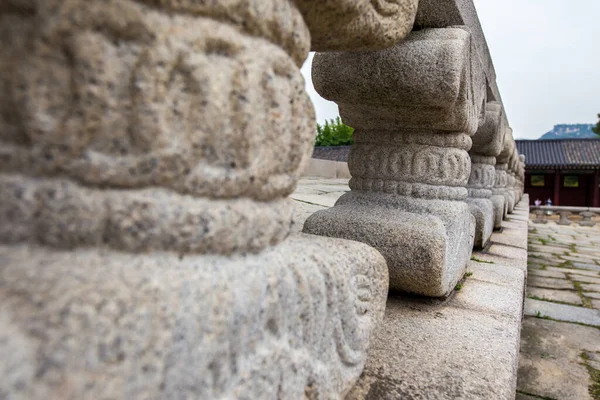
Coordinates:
560	339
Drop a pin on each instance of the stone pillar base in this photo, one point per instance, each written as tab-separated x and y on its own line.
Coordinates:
509	202
423	241
291	322
483	211
510	195
500	210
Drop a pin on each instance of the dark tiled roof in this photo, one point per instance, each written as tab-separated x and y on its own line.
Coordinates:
561	153
332	153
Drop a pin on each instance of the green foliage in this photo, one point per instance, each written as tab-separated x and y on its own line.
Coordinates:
596	129
334	133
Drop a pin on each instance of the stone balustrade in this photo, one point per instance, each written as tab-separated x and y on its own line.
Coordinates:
148	152
432	146
543	214
409	165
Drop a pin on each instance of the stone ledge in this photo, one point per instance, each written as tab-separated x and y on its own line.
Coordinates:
327	169
464	347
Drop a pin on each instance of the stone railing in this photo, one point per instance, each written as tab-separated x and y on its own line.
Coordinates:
434	165
542	214
148	149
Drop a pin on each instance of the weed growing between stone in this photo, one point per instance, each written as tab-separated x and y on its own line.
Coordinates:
584	299
594	388
473	258
551	301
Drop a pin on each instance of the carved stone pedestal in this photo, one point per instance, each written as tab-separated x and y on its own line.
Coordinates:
290	322
147	151
409	163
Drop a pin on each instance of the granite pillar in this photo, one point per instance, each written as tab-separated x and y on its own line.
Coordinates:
413	123
148	150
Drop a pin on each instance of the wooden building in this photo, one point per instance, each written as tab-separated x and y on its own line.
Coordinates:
565	170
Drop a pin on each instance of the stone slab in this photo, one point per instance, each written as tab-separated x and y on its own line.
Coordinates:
581	258
562	312
519	240
550	362
494	273
588	266
500	260
319	200
543	256
574	271
555	248
327	169
459	353
544	273
549	283
585	279
592	295
564	296
491	298
590	287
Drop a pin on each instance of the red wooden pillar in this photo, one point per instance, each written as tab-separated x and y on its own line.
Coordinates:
595	189
556	199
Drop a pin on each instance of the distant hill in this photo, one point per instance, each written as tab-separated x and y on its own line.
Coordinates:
570	131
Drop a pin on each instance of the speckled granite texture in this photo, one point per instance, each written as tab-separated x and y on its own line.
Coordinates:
409	163
147	152
332	153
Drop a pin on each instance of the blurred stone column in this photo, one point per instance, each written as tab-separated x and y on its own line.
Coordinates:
499	196
487	144
513	183
147	152
502	186
521	176
414	108
498	199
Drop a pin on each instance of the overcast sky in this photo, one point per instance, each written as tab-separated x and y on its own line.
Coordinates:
547	59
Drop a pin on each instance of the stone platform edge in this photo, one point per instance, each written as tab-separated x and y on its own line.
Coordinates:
466	346
327	169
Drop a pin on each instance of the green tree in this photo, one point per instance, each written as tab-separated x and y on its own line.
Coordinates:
596	129
334	133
